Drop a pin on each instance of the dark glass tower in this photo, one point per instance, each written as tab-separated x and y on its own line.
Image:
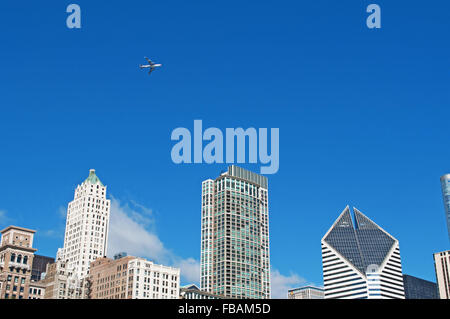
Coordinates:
39	266
416	288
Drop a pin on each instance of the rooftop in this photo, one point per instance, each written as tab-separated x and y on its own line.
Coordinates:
93	178
17	228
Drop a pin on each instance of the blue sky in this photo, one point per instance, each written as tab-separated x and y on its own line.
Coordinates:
363	115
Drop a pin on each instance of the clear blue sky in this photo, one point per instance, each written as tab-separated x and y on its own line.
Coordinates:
363	114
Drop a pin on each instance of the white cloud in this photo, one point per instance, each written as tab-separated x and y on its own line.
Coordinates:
62	212
281	283
3	218
132	230
190	269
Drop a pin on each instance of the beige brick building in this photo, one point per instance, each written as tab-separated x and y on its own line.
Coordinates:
16	259
61	283
36	290
132	278
109	278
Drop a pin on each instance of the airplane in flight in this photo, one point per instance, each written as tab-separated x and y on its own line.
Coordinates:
151	65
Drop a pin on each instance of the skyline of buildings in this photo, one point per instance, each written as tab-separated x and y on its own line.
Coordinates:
235	255
359	258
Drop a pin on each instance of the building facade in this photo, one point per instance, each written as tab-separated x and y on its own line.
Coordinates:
416	288
445	186
441	266
235	255
360	260
36	290
39	266
193	292
87	224
16	258
133	278
61	283
307	292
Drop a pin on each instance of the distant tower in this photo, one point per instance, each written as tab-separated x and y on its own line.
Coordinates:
360	260
445	185
87	226
235	258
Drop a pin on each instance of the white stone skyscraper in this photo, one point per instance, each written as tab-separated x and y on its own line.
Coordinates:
235	257
87	225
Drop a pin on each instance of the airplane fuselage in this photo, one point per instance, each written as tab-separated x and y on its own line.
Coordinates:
152	66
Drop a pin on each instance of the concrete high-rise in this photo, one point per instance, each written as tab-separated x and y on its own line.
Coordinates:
235	255
87	226
441	266
445	186
360	260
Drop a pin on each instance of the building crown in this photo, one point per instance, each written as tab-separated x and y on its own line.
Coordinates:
93	178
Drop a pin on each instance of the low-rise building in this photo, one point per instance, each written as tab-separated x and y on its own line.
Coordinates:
36	290
306	292
60	283
132	278
417	288
193	292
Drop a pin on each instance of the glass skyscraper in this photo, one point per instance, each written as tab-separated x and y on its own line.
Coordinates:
445	185
360	260
235	260
417	288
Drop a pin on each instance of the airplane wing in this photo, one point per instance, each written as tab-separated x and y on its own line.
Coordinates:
149	61
150	71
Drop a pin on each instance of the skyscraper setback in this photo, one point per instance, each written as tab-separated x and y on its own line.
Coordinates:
87	226
235	255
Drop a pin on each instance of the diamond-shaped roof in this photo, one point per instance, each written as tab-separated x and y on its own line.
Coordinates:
363	243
